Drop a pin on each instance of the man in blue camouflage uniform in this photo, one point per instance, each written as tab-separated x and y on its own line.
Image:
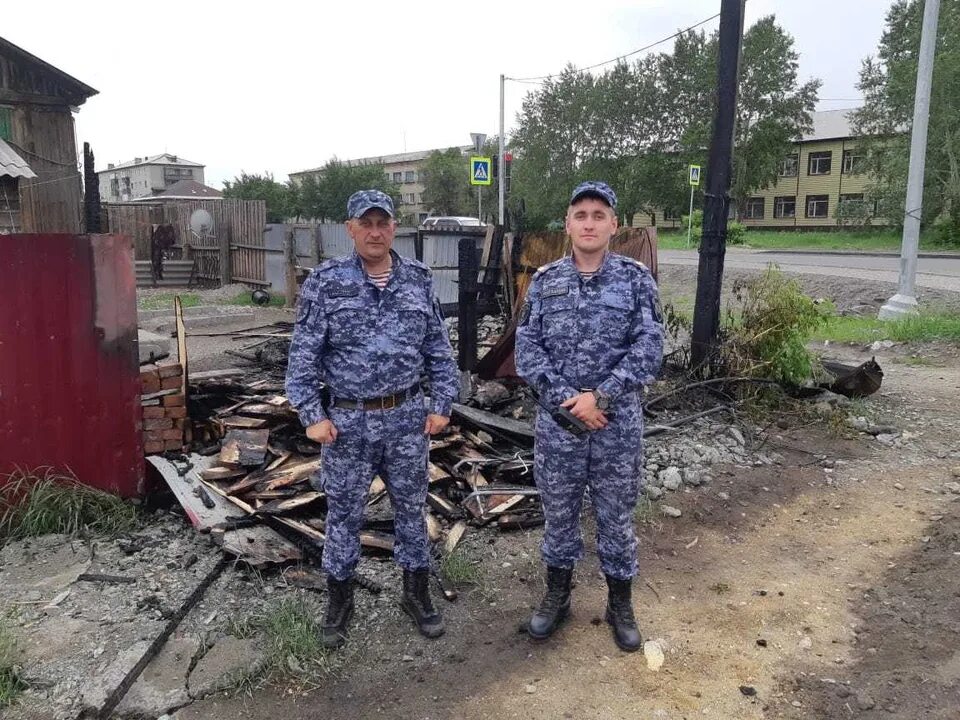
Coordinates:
590	336
368	326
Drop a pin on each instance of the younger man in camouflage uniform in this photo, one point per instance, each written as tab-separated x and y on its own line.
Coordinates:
590	336
368	326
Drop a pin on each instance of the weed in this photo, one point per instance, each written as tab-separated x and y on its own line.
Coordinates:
291	631
11	681
46	501
459	570
766	335
720	588
645	513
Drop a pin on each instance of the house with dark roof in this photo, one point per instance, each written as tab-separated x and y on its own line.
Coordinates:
40	184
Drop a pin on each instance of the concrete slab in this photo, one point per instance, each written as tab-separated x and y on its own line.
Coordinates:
100	687
163	684
224	664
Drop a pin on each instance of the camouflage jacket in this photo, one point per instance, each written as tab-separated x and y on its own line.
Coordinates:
604	333
363	342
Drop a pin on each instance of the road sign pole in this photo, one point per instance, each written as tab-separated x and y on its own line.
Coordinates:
690	218
502	163
479	208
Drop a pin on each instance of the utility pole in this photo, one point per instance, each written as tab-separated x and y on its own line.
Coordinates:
905	301
713	244
501	163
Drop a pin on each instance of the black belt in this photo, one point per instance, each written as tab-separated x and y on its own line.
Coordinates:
387	402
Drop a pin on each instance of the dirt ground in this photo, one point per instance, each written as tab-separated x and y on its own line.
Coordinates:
816	589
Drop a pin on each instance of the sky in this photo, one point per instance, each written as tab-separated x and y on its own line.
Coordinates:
284	86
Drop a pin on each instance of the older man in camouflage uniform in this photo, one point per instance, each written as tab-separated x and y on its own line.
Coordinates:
590	336
368	326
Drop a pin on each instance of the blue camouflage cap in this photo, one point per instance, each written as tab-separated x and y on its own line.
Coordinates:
595	188
363	200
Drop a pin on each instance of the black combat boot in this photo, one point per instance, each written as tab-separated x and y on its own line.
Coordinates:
555	604
417	604
620	615
333	634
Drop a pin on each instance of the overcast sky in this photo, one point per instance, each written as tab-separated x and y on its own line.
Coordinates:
282	86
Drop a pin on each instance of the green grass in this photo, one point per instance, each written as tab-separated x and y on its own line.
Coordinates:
912	328
45	501
865	240
245	299
459	570
11	682
165	301
291	631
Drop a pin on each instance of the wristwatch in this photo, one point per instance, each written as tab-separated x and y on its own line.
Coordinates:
603	400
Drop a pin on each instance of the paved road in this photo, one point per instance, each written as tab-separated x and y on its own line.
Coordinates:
939	273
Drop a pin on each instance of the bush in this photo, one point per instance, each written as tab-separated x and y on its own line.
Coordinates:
735	230
766	335
946	231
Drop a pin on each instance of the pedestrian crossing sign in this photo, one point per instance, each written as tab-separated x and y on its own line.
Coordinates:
694	175
480	171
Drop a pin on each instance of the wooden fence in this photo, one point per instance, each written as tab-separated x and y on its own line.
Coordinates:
234	253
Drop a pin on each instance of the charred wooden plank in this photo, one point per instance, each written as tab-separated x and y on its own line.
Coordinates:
278	507
489	420
443	506
245	447
222	472
243	423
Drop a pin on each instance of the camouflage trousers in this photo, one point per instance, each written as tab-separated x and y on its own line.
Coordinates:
391	444
610	463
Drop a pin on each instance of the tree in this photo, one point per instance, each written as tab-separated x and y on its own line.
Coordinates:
638	126
445	182
262	187
324	196
888	83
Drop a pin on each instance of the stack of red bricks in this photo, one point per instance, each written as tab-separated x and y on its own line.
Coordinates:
164	407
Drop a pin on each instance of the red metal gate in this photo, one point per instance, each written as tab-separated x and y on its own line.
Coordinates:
69	365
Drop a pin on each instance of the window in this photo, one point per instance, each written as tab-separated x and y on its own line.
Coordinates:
412	198
114	187
386	176
785	206
819	163
671	215
410	176
851	199
852	163
789	165
6	123
754	209
398	177
818	206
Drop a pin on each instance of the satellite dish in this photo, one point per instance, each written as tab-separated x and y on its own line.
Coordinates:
201	223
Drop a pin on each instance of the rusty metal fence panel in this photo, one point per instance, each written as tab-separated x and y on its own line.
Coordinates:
69	367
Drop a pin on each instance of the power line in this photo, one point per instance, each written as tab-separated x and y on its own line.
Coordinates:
619	57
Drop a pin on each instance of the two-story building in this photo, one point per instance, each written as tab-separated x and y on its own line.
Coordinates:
146	176
821	175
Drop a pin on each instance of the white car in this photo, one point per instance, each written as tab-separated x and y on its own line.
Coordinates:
454	222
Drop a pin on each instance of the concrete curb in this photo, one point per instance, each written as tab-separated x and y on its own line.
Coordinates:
855	253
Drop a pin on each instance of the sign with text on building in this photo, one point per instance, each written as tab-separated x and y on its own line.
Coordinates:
480	171
694	175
